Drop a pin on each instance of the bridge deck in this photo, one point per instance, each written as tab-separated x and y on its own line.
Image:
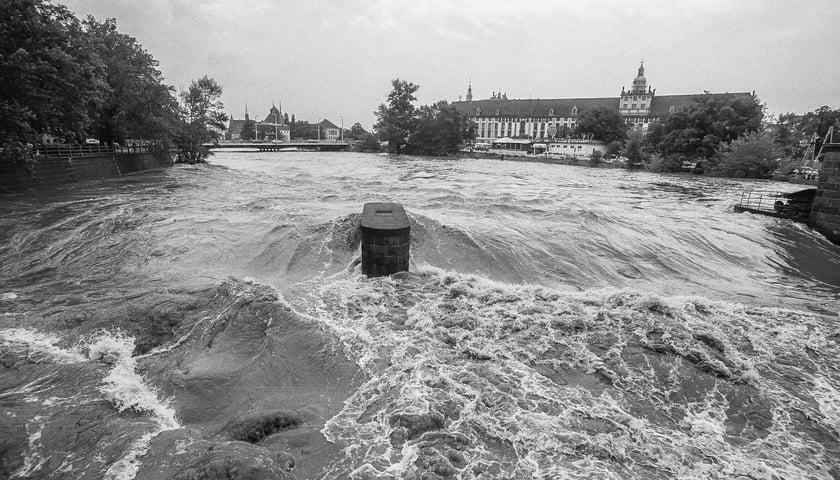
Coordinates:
275	147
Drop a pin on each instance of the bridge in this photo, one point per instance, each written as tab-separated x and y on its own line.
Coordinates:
283	146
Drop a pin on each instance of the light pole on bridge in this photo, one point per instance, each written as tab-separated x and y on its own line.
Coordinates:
342	128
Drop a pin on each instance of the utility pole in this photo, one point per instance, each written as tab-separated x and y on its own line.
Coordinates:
342	128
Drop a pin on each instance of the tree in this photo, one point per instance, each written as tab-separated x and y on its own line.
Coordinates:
634	149
135	102
795	132
248	131
710	120
596	158
396	119
357	132
605	124
49	76
367	143
751	156
204	118
440	130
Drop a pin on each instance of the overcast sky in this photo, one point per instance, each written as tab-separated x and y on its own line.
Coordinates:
337	58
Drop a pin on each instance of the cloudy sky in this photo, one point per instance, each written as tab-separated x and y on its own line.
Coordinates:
337	58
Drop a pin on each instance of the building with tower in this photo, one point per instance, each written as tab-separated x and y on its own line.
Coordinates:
273	127
546	119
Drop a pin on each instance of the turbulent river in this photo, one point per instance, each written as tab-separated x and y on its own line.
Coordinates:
556	323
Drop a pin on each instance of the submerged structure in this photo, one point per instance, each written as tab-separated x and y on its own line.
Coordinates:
818	207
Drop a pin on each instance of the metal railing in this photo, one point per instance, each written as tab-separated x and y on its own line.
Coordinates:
759	201
52	151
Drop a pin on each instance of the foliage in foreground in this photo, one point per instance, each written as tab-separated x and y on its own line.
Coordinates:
69	80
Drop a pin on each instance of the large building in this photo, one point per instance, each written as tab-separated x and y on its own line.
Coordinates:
541	119
273	127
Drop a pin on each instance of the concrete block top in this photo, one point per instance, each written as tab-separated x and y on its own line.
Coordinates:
384	217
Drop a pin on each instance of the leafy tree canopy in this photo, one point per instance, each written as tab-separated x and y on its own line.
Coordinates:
396	118
49	74
699	129
602	123
794	132
135	102
204	118
752	156
440	130
248	131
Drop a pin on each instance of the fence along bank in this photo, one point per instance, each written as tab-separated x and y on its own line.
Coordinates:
53	165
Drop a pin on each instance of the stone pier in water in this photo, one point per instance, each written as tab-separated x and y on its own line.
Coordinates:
825	212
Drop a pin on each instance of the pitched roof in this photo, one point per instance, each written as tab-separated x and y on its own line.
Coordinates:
562	107
534	107
661	104
236	125
328	124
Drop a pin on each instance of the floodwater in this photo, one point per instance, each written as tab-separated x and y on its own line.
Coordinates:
556	322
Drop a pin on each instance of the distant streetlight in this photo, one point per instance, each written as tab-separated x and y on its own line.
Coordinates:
319	128
342	128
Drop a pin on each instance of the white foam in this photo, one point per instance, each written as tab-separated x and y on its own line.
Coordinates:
828	398
127	389
32	459
446	340
127	467
39	342
8	296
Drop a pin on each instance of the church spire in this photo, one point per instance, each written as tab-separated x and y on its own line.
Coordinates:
469	91
246	112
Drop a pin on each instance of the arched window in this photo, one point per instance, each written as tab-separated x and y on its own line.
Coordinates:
478	111
551	112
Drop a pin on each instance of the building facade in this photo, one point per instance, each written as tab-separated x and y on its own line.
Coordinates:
548	119
273	127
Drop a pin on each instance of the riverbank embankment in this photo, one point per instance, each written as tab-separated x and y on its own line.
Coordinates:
47	171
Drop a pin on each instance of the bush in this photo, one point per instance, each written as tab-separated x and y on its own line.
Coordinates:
750	156
368	143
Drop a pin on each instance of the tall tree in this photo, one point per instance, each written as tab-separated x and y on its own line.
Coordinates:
204	118
248	131
49	75
396	119
135	103
605	124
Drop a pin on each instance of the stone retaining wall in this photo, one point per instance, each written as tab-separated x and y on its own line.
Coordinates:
46	172
825	213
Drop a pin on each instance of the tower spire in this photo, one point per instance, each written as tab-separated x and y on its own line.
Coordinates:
469	91
246	112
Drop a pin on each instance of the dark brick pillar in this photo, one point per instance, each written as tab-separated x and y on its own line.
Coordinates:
825	213
385	239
